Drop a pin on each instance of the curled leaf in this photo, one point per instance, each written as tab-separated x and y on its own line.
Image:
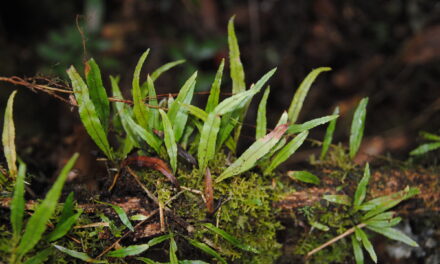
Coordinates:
209	192
8	137
152	163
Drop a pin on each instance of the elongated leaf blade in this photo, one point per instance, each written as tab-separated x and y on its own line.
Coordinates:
173	250
152	101
361	190
304	176
208	250
357	250
79	255
357	127
384	223
257	150
208	137
338	198
298	128
394	234
63	228
261	129
301	93
139	108
328	138
237	72
424	148
133	130
158	240
128	251
8	137
382	204
17	204
87	113
230	238
286	151
121	214
158	72
98	95
67	208
177	114
170	142
37	223
215	89
40	257
196	111
367	245
430	136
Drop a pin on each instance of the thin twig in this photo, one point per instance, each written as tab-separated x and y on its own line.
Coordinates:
149	194
335	239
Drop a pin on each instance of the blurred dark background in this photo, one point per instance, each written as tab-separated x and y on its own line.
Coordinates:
386	50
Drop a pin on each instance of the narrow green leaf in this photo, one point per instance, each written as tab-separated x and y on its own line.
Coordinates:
298	128
79	255
261	129
430	136
319	226
424	148
205	248
87	113
358	126
40	257
173	250
8	137
357	250
237	72
382	204
215	89
158	240
208	137
121	213
367	245
98	95
230	238
338	198
139	108
148	261
257	150
132	129
361	190
128	251
152	101
37	223
63	228
384	223
304	176
196	111
17	204
394	234
67	208
286	151
328	138
387	216
301	93
239	100
170	142
177	115
158	72
227	124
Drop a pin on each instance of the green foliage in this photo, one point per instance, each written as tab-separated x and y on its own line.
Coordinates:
8	137
329	135
427	147
357	127
304	176
301	93
36	225
261	129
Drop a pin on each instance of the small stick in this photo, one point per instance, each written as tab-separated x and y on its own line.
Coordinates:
335	239
149	194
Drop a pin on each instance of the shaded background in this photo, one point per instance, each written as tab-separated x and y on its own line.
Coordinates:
386	50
